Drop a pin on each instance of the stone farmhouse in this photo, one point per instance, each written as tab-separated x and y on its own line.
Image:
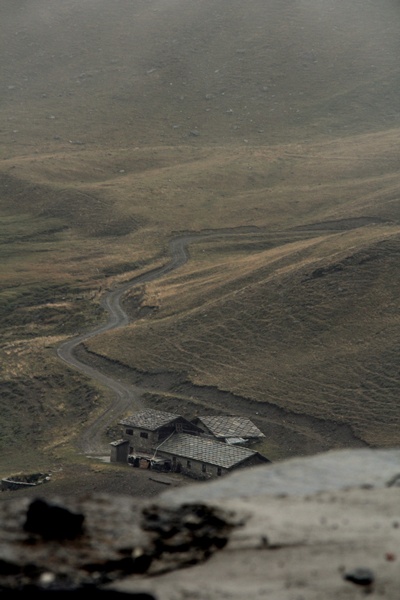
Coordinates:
205	448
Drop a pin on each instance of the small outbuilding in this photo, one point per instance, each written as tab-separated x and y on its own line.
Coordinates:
119	451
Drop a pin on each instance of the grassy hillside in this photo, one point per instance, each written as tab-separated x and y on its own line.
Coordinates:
125	124
139	73
303	316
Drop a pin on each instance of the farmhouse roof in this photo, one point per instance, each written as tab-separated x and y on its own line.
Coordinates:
231	427
150	419
206	450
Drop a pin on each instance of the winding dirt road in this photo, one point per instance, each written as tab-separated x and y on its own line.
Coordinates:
90	442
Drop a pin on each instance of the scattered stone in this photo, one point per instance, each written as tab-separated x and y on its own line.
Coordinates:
390	556
360	576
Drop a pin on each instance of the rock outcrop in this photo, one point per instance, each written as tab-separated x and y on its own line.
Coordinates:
325	526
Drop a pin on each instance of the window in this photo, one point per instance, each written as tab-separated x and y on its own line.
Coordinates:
219	471
204	468
144	434
129	431
189	464
178	427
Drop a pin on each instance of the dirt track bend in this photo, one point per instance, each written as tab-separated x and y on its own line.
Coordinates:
90	442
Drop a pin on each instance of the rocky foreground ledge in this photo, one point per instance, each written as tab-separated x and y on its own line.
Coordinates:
321	527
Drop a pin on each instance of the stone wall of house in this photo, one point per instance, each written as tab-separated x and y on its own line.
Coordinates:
141	440
193	468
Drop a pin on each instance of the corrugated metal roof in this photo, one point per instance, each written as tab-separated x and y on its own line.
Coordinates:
225	426
150	419
205	450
